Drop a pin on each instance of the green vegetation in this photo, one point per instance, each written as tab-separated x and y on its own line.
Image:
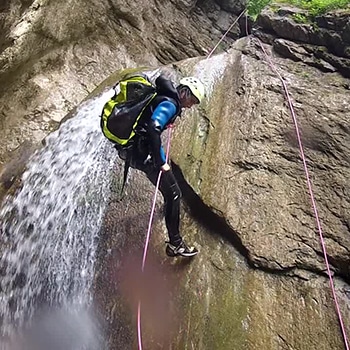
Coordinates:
300	18
254	7
314	7
319	7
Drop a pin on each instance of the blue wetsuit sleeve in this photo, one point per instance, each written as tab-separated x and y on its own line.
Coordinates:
161	116
164	112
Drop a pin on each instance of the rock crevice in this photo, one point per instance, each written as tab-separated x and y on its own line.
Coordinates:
217	225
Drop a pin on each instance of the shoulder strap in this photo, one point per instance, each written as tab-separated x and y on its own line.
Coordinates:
126	171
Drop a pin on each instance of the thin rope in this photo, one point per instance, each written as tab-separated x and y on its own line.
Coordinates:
148	236
311	193
246	25
139	336
290	104
227	31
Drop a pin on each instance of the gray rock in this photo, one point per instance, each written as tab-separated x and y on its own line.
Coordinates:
291	50
52	55
329	37
290	11
235	6
246	208
224	21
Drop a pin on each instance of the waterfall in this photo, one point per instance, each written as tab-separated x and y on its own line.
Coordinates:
49	228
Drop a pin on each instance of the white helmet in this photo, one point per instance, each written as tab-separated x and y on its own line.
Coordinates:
196	87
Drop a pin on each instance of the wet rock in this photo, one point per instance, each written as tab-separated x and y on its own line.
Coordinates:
269	225
259	281
297	52
325	37
235	6
53	55
12	304
246	207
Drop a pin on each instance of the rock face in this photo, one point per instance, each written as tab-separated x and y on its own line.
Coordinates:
256	145
53	54
259	281
322	42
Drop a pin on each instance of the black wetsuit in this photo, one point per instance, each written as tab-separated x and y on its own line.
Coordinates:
148	156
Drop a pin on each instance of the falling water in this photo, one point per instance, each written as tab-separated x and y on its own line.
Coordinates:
50	228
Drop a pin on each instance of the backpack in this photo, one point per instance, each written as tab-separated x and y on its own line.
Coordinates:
121	114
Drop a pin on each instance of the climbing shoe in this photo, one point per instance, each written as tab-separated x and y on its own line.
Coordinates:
181	250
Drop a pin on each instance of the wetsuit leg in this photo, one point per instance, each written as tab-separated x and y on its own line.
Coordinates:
168	187
172	195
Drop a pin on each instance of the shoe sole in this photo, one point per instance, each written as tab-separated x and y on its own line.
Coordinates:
185	255
190	255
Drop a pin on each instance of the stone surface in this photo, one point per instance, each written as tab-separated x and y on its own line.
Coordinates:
52	55
328	34
257	140
296	52
235	6
259	281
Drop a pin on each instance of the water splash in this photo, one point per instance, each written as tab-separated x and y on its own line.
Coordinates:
50	228
62	329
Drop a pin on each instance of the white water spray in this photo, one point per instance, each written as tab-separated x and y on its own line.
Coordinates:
50	228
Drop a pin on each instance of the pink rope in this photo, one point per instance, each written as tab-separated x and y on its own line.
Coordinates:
311	193
148	236
313	201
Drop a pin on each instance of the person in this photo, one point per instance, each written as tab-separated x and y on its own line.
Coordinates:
147	155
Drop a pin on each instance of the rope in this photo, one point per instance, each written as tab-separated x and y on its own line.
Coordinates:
227	31
139	336
308	180
148	236
311	193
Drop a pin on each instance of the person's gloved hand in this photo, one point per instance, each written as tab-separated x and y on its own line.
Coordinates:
165	167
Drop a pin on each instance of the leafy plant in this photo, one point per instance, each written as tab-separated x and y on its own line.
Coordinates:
319	7
300	18
314	7
254	7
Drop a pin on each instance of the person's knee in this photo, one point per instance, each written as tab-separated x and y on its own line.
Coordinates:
170	188
175	193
